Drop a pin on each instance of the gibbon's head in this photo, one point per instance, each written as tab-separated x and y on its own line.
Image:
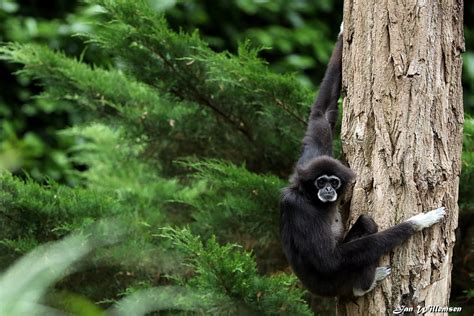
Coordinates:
323	179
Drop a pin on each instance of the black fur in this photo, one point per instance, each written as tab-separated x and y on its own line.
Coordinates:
326	264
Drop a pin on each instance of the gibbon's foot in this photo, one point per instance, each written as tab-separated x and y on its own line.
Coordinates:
424	220
380	274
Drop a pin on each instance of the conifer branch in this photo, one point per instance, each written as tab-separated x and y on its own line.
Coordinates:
285	108
201	97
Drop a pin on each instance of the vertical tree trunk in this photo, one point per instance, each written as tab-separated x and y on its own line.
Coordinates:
402	135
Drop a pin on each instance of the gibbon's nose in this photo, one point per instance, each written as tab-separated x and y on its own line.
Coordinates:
328	189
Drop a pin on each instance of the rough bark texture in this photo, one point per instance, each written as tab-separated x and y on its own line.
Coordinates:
402	135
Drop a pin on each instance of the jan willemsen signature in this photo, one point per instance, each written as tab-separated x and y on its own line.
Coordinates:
421	310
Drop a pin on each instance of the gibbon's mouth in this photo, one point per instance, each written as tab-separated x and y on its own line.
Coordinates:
327	197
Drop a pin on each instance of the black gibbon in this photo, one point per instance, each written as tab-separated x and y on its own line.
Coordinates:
311	229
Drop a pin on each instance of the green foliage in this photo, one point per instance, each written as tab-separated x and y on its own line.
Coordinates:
468	76
466	199
308	36
93	89
114	168
161	298
248	100
236	205
245	102
23	285
32	210
115	184
299	34
28	143
228	278
112	96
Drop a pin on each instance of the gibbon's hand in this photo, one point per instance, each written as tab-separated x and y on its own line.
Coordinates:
425	220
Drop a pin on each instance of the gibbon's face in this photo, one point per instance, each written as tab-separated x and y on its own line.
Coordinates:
327	186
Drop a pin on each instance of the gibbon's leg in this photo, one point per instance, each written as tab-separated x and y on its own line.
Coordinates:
368	277
367	281
364	226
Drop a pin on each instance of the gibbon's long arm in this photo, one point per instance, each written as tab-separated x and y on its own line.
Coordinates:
330	88
367	250
323	117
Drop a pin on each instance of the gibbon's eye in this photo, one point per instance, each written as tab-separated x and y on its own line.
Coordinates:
335	183
321	182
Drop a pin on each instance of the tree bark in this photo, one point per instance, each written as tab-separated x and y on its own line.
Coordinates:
402	135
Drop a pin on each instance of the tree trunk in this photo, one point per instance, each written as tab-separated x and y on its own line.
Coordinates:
402	135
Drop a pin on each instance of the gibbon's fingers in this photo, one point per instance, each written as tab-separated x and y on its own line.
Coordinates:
382	272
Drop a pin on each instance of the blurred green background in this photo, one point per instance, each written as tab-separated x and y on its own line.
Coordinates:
297	37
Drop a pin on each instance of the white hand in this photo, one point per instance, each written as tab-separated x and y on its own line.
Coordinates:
424	220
